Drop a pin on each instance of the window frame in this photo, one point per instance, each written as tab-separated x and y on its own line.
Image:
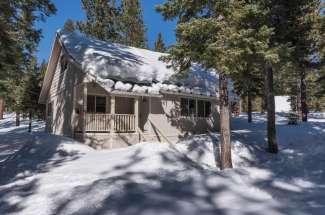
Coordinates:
95	103
187	111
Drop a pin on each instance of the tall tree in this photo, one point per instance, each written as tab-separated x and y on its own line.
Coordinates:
69	26
101	20
133	29
29	90
159	44
225	35
304	17
249	83
19	38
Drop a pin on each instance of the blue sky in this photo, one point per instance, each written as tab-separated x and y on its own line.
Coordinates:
72	9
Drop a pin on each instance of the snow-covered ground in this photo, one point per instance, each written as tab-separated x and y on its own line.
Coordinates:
56	175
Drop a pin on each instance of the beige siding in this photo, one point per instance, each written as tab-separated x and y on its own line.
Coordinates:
166	119
62	97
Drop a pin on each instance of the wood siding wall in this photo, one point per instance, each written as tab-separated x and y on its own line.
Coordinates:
62	98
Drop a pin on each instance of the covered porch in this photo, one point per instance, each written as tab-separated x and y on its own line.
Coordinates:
99	111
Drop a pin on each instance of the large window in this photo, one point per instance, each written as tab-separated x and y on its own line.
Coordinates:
189	108
96	104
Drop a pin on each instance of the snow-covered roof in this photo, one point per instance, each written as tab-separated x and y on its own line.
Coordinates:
125	68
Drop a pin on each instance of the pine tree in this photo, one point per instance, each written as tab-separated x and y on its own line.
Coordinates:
69	26
304	17
159	44
19	38
28	91
101	20
132	25
249	84
227	35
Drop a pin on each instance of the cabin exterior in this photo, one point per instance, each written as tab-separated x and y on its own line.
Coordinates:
103	114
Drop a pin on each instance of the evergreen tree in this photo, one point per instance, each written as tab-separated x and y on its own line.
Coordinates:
304	17
101	20
249	84
19	38
133	30
228	35
159	44
28	91
69	26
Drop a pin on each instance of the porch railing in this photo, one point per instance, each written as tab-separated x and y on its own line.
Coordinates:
124	122
95	122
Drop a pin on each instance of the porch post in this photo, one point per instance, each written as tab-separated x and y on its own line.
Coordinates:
112	113
149	114
136	112
84	111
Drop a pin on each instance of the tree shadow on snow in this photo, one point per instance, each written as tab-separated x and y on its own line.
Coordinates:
39	155
297	172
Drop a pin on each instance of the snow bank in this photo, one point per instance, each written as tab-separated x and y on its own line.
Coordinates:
282	104
64	177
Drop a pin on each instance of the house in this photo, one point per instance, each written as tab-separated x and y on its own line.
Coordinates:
110	95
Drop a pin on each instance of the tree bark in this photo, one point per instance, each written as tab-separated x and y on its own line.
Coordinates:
299	100
30	121
271	129
249	106
225	145
264	97
17	118
303	97
2	107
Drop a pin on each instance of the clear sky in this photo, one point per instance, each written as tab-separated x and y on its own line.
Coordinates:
72	9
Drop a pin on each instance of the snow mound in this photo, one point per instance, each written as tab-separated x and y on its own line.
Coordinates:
43	152
282	104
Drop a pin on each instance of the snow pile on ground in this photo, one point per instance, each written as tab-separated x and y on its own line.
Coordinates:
282	104
56	175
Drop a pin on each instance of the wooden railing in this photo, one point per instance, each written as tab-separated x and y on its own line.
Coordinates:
95	122
124	123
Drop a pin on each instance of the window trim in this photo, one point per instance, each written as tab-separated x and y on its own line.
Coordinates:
196	107
95	103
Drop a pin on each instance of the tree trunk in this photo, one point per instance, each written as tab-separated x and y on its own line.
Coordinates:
225	144
264	97
249	106
17	118
2	107
271	129
299	100
303	97
30	121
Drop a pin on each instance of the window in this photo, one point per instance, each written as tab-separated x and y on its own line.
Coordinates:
200	107
96	104
189	108
100	104
184	107
207	111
